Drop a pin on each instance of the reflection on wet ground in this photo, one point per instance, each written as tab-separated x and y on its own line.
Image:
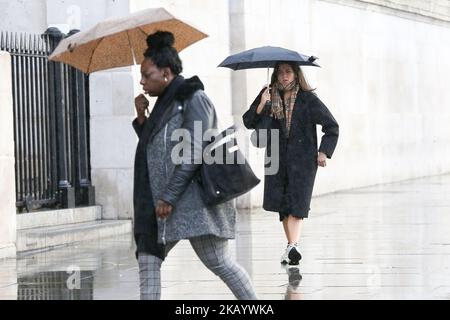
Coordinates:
57	285
384	242
293	290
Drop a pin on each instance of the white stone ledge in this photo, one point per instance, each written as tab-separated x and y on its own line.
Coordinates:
58	217
430	11
47	238
7	251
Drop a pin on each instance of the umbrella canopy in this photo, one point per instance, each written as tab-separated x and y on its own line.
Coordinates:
266	57
121	42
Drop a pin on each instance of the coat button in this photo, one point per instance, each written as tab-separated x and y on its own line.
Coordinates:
217	192
180	108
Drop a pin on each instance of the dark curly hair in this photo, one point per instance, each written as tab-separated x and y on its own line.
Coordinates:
161	51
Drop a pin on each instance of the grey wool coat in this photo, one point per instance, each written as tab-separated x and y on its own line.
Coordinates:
177	184
290	189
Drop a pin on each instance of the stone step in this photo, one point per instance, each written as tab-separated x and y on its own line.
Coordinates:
58	217
47	238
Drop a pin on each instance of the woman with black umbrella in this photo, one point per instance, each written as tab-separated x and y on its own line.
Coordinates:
294	111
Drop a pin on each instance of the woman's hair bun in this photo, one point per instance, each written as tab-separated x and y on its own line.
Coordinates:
160	39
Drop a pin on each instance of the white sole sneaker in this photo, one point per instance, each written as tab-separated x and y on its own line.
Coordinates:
285	257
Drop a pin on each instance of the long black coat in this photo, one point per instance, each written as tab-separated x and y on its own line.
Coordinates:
297	153
145	223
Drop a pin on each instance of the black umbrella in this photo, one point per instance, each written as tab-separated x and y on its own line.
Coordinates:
266	57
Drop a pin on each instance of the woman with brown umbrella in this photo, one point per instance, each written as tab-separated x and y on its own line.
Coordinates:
294	113
167	197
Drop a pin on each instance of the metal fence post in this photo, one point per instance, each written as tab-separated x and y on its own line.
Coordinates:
85	192
58	100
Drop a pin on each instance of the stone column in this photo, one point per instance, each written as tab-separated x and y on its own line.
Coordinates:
113	142
7	174
242	96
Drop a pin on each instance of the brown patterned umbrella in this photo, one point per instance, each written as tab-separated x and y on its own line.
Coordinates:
121	42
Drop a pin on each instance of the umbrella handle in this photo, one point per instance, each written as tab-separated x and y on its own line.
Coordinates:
147	112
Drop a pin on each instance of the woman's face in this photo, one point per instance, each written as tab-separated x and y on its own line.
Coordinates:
152	81
285	74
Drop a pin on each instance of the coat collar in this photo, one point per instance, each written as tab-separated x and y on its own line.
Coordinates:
302	98
181	90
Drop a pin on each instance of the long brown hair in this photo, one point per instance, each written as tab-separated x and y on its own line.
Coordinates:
299	76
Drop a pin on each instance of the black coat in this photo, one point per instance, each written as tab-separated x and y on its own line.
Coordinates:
297	153
145	224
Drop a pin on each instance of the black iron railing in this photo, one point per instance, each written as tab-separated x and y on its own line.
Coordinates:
51	125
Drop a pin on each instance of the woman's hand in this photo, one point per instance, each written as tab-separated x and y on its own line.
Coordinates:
264	98
141	103
163	209
322	159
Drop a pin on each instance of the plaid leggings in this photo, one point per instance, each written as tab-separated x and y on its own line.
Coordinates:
213	252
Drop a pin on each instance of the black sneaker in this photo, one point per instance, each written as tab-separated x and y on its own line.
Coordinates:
294	256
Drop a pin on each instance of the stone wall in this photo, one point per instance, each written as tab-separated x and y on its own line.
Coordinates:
427	11
23	16
7	178
382	77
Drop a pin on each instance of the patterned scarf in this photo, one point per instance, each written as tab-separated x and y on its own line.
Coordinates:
277	103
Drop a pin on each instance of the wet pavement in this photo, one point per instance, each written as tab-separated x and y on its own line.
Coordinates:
383	242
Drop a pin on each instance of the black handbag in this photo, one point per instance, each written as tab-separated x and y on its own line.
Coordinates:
230	175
